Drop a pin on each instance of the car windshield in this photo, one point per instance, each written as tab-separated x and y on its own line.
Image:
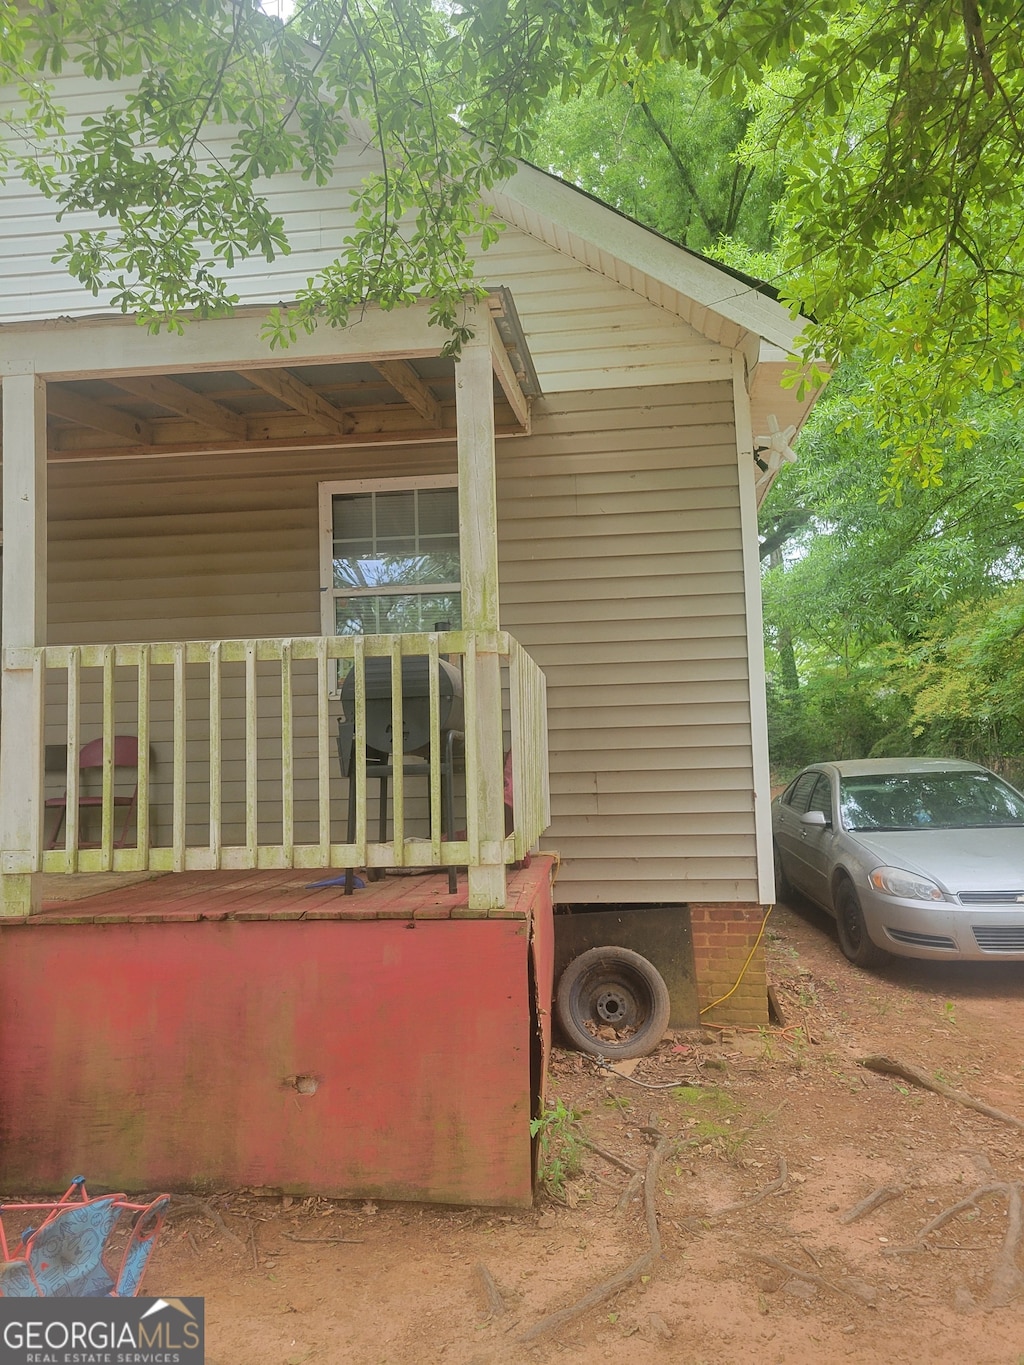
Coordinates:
935	800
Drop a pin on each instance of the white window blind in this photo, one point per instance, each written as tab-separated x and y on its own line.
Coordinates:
394	559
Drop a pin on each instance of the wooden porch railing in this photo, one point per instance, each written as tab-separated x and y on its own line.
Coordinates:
238	765
528	711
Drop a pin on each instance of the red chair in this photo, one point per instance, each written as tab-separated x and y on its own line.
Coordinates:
90	759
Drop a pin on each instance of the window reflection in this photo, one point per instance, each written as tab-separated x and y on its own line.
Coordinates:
403	539
905	801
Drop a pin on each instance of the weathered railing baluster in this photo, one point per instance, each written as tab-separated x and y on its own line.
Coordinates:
323	753
517	725
287	756
216	754
469	694
435	750
179	797
107	786
359	757
251	759
397	752
72	786
142	834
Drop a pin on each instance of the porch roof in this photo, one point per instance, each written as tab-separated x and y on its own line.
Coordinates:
114	393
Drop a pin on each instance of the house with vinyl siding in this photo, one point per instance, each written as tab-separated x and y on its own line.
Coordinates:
204	538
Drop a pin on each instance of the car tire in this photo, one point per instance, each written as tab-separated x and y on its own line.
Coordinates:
783	886
616	990
855	941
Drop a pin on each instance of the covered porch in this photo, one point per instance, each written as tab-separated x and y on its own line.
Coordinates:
221	1019
235	741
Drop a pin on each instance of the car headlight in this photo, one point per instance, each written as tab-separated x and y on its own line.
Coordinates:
894	881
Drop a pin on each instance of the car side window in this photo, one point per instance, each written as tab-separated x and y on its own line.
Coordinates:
821	797
801	792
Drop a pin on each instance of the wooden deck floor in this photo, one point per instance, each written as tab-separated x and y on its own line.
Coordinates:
251	895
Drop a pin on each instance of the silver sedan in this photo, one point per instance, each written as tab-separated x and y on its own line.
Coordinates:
917	857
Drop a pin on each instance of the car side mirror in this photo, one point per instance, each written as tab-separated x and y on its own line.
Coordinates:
817	819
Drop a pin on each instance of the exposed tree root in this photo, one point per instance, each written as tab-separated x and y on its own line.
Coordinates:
762	1193
610	1157
872	1201
1007	1281
205	1207
636	1180
294	1237
495	1303
969	1202
889	1066
641	1266
854	1290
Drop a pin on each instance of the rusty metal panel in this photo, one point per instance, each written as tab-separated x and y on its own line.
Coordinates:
378	1058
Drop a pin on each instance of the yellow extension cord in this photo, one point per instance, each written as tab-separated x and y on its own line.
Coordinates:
550	853
743	970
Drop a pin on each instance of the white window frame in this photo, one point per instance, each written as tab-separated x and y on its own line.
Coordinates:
327	491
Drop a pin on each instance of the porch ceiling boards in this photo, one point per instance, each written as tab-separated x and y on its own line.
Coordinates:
217	389
298	407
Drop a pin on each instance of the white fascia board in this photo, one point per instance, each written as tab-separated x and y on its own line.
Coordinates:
671	265
82	348
761	769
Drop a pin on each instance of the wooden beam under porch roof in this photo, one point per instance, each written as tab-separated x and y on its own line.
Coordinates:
123	407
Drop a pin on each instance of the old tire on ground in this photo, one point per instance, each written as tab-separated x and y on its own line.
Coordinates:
857	945
616	992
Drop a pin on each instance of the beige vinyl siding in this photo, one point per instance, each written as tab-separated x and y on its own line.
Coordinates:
204	548
622	574
584	327
620	546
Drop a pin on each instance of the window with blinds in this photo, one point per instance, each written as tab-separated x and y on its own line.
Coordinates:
394	560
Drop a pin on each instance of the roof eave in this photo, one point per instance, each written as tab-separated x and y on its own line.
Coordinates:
740	299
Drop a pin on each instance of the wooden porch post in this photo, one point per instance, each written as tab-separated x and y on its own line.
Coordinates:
24	625
478	536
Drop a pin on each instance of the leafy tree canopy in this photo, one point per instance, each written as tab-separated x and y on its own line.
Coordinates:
895	630
666	154
896	124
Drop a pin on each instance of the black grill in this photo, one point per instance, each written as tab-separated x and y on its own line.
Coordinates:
921	940
999	938
992	897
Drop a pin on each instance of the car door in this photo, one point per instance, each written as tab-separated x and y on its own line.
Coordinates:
788	829
815	851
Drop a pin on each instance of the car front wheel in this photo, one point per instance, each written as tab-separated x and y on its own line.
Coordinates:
857	945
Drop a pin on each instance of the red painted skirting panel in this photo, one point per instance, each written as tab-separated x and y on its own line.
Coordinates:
352	1057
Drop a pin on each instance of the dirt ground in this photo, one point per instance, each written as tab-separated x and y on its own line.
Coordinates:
326	1281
